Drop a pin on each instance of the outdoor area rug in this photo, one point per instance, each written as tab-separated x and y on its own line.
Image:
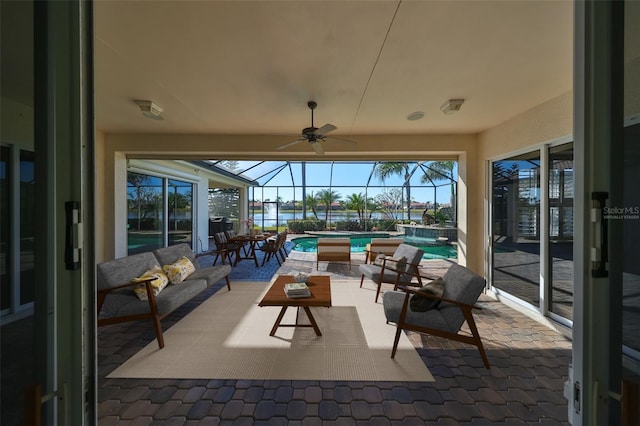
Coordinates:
227	337
246	269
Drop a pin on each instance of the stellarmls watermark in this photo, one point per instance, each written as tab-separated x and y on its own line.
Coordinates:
618	213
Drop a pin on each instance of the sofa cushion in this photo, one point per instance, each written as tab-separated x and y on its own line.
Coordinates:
160	282
124	302
463	285
179	270
392	302
211	274
168	255
122	271
411	253
373	272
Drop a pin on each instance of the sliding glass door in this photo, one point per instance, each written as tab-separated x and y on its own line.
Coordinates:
17	180
532	217
179	211
160	212
516	226
561	230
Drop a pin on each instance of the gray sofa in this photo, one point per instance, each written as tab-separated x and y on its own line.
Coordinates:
118	303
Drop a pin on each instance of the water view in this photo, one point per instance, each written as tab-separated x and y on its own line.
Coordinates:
432	249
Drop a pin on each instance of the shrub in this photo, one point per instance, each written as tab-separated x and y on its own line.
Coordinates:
348	225
299	226
386	224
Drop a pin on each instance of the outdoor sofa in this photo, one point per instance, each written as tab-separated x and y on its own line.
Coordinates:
118	302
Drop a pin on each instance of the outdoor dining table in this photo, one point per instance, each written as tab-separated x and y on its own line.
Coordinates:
252	241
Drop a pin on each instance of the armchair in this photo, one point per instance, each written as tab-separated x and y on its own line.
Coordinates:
334	250
392	272
224	246
385	246
272	247
462	289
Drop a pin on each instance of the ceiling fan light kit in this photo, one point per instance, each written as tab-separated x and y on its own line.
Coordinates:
314	135
451	106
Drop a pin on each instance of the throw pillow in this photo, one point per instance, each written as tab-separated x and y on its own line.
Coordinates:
179	270
423	304
379	259
397	263
157	284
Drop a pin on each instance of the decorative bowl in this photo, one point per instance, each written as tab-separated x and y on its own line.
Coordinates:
301	278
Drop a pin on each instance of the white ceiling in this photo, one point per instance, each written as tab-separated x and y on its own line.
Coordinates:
249	67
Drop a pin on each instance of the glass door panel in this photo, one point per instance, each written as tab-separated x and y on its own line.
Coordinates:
180	214
561	230
145	213
630	216
27	223
516	226
5	228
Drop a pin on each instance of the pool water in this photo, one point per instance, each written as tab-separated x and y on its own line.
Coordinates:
359	245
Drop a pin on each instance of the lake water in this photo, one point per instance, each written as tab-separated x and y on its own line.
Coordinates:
270	219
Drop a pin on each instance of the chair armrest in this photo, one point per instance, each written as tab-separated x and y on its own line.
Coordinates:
433	296
102	294
119	286
413	266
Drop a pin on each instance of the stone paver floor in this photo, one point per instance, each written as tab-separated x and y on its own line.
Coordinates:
524	385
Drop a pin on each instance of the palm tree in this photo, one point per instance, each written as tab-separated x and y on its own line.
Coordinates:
327	197
442	170
312	202
385	170
358	203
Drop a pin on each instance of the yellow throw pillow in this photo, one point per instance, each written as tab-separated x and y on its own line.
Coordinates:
157	284
179	270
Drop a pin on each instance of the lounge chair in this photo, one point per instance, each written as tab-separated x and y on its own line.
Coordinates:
334	250
462	287
399	269
386	246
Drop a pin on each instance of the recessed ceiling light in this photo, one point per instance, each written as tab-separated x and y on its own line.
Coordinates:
451	106
415	116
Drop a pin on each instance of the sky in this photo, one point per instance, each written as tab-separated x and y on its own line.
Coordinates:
345	178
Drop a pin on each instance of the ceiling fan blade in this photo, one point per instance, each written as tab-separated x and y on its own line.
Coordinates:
325	129
287	145
342	140
317	148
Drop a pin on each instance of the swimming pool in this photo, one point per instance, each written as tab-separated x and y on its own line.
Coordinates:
432	250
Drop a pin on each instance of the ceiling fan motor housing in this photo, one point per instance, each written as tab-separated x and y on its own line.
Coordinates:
309	132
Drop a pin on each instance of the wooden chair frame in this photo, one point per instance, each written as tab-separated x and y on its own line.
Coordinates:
386	246
153	314
396	283
474	339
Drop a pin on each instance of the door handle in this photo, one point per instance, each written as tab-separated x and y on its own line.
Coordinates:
600	250
73	235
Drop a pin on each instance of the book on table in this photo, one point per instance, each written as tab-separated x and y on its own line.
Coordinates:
297	290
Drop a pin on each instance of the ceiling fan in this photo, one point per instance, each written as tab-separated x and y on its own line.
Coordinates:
314	135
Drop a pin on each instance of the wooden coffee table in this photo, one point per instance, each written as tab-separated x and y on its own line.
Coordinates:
320	286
